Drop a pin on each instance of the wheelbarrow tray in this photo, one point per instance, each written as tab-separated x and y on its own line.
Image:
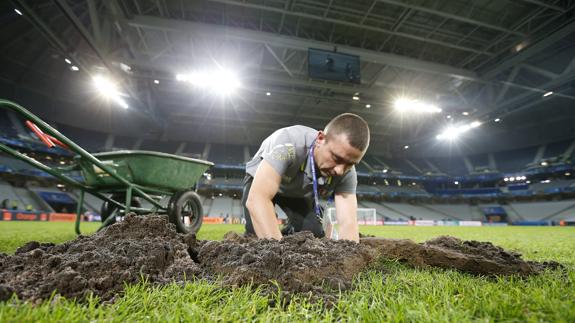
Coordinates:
144	168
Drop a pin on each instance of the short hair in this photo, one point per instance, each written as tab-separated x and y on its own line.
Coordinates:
353	126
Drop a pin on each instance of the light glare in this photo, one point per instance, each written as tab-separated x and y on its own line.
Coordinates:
407	105
221	81
18	12
109	90
452	133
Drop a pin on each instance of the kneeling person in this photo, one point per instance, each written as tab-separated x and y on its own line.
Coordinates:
297	165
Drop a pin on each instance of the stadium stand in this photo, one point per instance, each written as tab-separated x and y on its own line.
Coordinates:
455	211
384	212
535	211
220	207
416	211
9	198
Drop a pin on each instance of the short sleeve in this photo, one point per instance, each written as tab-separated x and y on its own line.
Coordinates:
348	183
280	151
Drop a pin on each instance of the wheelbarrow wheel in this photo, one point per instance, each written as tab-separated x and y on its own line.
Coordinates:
186	212
108	209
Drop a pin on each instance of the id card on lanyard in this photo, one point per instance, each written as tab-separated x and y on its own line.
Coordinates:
325	220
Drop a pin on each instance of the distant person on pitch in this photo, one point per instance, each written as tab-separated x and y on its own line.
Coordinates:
297	166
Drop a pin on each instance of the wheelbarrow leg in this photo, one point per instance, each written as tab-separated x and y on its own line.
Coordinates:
128	199
79	212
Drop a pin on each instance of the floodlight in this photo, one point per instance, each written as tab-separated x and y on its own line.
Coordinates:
544	163
456	183
220	81
451	133
109	90
268	93
74	68
385	170
506	179
368	106
497	120
511	179
407	105
406	147
18	12
465	113
548	93
355	98
67	61
448	117
157	81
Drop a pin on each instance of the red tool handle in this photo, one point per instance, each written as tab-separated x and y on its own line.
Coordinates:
46	138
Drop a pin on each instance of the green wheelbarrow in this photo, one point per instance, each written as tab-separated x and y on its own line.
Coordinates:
122	178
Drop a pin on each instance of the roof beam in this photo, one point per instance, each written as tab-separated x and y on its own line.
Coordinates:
354	24
452	16
546	5
532	50
296	43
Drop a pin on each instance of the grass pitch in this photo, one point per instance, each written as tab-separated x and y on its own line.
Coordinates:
401	294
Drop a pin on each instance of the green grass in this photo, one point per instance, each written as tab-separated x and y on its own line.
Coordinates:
401	294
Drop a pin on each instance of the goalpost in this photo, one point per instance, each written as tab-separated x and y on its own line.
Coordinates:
366	216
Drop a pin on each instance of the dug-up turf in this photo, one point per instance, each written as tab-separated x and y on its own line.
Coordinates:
148	247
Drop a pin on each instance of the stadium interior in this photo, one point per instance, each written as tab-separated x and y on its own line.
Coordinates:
471	112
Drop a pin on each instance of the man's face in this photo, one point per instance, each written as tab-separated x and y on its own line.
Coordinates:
335	156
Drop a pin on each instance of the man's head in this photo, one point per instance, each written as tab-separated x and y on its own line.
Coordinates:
341	145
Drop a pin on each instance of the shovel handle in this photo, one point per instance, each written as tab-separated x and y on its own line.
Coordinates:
50	141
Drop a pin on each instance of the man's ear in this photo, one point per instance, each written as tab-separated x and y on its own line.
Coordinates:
320	137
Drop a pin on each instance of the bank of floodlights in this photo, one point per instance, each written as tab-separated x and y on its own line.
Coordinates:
452	133
219	81
404	105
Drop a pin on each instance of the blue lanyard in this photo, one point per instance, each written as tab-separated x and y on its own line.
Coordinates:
314	180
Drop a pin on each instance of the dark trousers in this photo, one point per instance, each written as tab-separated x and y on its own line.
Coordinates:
300	213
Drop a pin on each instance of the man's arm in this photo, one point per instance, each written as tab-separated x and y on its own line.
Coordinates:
346	212
264	187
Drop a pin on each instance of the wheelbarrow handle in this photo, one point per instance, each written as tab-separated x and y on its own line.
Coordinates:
50	141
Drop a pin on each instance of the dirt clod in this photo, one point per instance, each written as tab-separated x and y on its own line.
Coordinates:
148	247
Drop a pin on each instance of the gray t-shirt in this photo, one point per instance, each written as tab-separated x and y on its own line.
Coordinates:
287	150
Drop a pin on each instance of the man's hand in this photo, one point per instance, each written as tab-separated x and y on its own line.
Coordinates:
346	212
264	187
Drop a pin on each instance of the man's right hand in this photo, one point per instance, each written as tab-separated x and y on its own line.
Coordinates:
264	187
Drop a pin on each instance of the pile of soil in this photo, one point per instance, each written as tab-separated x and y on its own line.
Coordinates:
137	248
474	257
148	247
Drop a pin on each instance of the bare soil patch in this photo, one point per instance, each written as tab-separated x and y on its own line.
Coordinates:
148	247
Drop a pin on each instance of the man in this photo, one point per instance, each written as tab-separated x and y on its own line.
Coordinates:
294	160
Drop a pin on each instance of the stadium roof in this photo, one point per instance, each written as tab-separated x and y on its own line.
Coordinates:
491	59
